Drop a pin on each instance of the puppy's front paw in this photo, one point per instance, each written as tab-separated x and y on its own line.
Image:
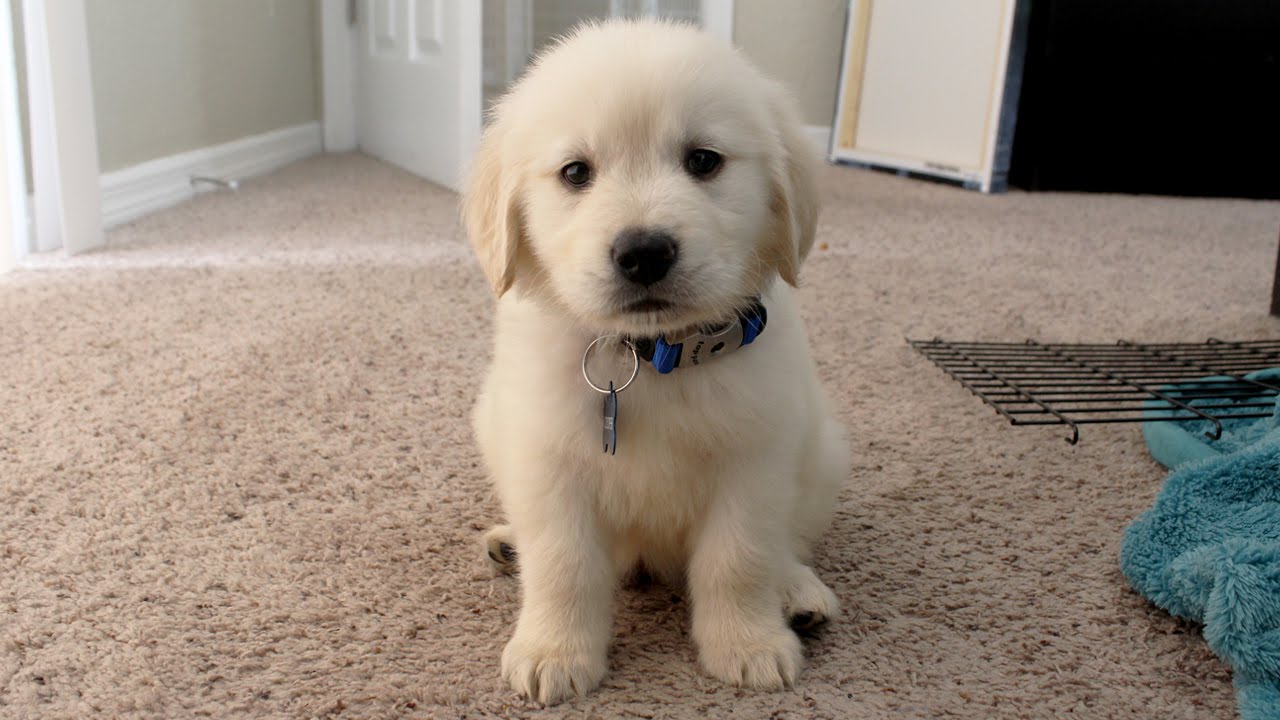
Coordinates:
768	660
550	672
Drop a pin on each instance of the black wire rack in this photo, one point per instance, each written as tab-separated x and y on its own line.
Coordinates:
1045	384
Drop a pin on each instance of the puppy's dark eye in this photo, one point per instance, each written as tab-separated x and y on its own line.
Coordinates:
577	174
702	163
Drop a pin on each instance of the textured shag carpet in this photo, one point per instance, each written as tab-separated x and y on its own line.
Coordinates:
237	478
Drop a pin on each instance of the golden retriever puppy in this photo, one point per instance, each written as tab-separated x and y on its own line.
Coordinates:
641	202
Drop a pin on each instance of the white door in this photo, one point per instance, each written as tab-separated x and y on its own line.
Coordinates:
418	84
417	78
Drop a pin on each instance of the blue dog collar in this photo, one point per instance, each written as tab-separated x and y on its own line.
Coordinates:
705	344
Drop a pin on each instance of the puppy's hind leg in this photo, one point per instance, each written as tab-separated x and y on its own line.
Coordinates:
806	601
823	474
500	549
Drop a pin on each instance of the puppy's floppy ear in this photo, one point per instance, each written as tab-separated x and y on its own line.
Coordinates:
491	211
793	197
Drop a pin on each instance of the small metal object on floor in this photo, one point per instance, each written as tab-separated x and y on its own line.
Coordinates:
1036	384
197	180
1275	288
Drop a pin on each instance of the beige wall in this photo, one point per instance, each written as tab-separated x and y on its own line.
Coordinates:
176	75
797	43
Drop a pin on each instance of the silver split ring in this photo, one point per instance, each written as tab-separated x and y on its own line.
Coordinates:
635	365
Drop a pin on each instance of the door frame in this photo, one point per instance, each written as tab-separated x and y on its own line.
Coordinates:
13	175
717	18
339	48
67	191
337	71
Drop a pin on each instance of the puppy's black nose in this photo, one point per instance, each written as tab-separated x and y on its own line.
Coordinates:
644	256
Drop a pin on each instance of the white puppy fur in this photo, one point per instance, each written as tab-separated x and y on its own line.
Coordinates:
725	473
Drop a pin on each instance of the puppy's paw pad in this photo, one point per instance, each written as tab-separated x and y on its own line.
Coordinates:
500	550
769	664
806	620
550	674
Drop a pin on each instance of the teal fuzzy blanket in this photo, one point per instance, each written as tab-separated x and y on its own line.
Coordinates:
1208	550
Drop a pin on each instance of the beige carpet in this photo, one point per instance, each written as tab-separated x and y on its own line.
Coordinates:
236	477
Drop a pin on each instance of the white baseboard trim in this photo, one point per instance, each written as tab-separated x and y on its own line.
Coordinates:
821	137
135	191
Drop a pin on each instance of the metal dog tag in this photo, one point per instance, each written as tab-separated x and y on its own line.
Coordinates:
611	421
704	346
610	411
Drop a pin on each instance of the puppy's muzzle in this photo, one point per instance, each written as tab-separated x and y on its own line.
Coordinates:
644	256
